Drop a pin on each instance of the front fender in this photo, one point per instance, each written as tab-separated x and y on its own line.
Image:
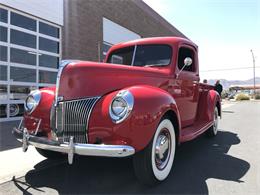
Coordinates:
150	105
41	112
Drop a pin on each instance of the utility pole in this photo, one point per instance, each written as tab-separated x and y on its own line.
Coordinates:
253	56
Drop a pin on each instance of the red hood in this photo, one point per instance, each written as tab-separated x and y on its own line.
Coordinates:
89	79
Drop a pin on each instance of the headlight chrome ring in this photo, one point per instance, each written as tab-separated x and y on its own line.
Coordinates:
32	101
121	106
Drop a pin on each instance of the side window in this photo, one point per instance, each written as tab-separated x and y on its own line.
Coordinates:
183	53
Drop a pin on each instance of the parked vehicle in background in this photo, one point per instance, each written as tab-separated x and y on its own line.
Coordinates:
232	95
143	102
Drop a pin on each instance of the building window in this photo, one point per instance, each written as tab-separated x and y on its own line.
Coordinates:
48	30
3	73
22	38
3	34
48	61
22	56
23	21
29	58
3	53
47	77
3	92
22	74
20	92
3	15
48	45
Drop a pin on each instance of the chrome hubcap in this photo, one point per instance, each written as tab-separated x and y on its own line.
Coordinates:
14	109
162	149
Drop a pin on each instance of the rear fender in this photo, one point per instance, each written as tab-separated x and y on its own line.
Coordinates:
213	100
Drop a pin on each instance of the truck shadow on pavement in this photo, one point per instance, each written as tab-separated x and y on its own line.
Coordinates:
195	162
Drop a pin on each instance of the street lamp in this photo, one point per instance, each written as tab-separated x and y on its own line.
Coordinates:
253	56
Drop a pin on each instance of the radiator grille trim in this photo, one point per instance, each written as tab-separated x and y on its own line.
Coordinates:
73	117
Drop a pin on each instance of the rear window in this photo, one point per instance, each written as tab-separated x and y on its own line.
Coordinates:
142	55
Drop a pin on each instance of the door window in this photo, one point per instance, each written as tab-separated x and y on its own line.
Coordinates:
185	52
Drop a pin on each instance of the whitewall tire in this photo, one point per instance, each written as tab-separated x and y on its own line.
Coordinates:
154	163
213	130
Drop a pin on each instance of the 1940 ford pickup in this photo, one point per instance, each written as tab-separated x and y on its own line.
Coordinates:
143	101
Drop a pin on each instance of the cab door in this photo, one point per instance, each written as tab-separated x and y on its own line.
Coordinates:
187	81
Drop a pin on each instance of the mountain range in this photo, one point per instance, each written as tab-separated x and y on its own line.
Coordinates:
226	83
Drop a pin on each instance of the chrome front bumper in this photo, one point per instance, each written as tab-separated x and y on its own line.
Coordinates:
71	148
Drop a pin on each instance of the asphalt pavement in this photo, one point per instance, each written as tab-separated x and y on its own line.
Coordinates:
226	164
7	140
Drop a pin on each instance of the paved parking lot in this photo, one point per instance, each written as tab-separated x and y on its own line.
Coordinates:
7	140
226	164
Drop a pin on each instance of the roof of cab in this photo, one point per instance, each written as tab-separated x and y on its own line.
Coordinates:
154	40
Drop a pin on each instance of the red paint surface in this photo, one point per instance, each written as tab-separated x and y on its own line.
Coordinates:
156	90
42	112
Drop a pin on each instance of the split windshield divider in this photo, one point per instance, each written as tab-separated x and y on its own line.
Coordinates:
133	58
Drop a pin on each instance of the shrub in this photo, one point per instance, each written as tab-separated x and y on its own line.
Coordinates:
257	96
242	96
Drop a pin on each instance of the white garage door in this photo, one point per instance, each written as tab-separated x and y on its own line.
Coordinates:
114	33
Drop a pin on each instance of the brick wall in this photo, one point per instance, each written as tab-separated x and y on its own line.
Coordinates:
83	34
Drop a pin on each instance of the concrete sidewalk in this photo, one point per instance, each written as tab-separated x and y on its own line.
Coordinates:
16	163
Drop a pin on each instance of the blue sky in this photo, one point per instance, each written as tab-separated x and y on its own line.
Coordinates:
224	30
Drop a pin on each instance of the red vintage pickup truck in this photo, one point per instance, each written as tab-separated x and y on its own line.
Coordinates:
143	101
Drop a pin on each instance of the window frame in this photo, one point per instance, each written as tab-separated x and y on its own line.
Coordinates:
134	54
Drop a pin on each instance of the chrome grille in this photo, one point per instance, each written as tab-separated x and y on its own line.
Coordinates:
72	118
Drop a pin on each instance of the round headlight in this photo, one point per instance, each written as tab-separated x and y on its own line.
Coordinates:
121	106
32	101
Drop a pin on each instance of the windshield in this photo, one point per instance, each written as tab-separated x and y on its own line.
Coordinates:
142	55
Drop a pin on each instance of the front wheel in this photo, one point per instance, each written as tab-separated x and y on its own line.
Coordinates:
213	130
154	163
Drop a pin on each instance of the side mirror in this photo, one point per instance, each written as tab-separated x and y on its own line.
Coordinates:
187	62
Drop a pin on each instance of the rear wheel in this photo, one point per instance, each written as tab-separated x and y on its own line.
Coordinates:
154	163
213	130
50	154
